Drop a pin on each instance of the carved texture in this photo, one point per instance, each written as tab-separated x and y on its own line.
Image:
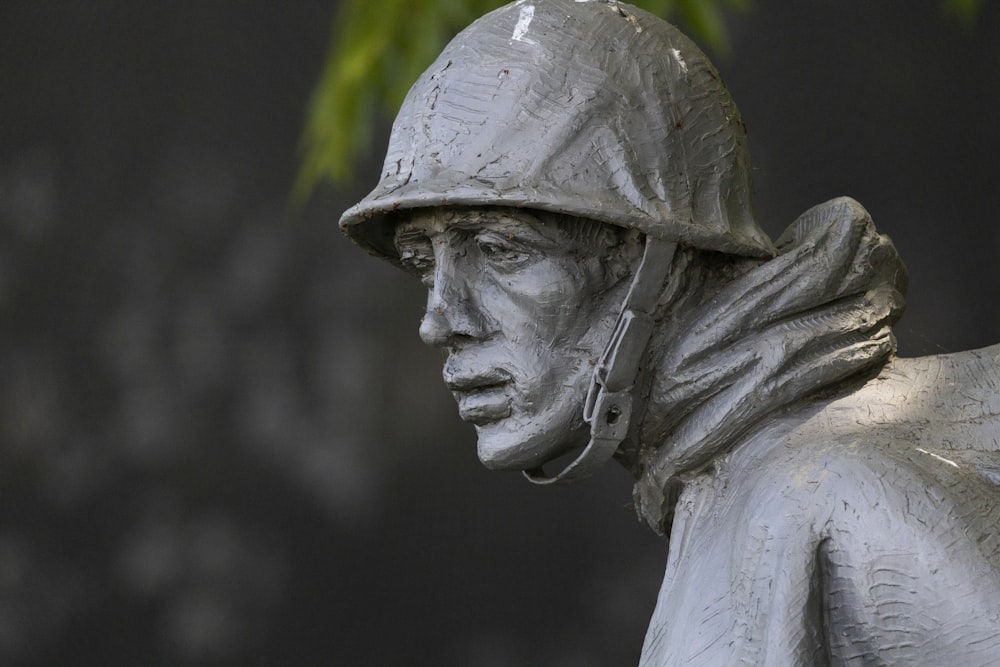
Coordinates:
590	108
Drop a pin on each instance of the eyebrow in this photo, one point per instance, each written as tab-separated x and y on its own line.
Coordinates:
408	235
406	232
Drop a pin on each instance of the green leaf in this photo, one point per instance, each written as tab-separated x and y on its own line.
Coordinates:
966	11
705	21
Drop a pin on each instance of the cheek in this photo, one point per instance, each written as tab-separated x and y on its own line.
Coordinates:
548	301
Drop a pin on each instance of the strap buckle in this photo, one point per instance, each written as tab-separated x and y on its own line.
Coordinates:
608	407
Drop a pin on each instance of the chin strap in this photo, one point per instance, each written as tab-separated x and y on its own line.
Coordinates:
608	408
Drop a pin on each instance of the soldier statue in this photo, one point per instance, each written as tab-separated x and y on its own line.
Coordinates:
570	180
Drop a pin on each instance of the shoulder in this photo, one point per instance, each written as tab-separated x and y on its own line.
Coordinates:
885	498
925	421
943	402
874	474
919	444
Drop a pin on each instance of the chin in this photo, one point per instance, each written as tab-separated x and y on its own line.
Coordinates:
506	456
502	449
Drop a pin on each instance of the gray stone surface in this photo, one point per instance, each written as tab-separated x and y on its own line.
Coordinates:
570	181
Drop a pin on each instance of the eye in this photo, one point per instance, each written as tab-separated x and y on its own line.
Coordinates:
416	261
504	253
417	256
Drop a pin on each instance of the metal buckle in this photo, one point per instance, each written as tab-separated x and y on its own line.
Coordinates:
608	407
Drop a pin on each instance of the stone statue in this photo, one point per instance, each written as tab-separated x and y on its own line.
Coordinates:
570	180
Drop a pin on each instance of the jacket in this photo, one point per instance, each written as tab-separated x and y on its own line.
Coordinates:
859	529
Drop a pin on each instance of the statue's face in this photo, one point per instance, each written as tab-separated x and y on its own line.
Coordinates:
523	307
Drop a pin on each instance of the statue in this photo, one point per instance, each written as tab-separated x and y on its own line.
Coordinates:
570	180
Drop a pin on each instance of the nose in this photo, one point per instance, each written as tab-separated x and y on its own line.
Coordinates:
434	328
453	315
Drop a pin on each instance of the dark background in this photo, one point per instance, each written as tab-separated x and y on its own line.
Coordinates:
220	439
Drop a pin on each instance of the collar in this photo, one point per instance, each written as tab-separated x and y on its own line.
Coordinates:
809	321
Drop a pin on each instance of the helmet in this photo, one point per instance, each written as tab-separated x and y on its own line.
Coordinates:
591	108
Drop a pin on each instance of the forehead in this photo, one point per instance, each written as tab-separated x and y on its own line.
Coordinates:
526	225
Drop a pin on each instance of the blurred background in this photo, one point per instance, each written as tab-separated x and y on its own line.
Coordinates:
221	441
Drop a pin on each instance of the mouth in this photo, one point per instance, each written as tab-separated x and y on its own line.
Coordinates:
482	398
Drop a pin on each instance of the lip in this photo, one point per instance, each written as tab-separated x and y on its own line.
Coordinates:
482	397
